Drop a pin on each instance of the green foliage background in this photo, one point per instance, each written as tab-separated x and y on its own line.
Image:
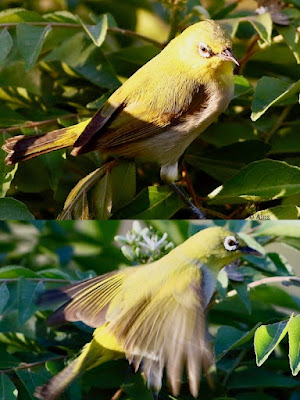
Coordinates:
47	254
59	62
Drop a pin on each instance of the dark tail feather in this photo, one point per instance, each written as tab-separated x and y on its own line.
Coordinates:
21	148
52	389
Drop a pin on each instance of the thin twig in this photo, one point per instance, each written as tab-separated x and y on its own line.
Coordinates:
235	364
250	52
50	280
251	285
79	26
273	279
117	395
34	124
278	123
30	365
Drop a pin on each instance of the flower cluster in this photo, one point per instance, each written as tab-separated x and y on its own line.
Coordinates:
144	245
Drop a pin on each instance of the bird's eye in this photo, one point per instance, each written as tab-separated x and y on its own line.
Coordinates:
204	50
231	243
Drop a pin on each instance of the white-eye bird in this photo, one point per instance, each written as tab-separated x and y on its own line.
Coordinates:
158	111
152	314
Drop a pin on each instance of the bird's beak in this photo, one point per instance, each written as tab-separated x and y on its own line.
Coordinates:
228	56
249	250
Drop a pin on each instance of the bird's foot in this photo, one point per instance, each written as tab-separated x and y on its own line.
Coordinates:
195	210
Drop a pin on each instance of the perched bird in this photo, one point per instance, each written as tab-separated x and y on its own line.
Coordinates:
152	314
158	111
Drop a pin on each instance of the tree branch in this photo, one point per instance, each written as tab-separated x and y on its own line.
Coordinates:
30	365
34	124
264	281
122	31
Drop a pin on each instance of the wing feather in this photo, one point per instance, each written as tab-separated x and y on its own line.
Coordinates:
87	301
167	329
136	123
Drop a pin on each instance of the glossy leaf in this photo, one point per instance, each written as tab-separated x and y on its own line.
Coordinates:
294	343
97	32
30	42
153	202
266	338
6	44
8	391
4	296
271	91
14	209
259	181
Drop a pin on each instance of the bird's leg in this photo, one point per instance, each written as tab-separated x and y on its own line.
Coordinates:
195	210
155	396
189	184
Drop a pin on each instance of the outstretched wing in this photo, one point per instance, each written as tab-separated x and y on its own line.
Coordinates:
85	301
167	329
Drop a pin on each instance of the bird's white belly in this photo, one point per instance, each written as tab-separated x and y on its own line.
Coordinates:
174	141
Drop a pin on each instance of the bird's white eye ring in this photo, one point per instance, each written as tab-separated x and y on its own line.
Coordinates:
231	243
204	50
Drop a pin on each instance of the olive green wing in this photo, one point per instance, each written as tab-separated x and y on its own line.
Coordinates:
167	329
85	301
134	121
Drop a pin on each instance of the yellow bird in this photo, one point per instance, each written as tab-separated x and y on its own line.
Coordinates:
158	111
152	314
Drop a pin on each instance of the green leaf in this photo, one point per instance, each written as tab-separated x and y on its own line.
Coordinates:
263	25
19	15
7	173
31	381
224	162
241	86
123	181
286	140
229	133
97	32
251	378
279	228
7	361
82	56
294	344
54	163
102	197
30	42
278	212
4	296
14	209
292	38
231	25
228	338
243	292
152	202
15	271
28	293
136	388
270	294
251	242
259	181
266	338
271	91
8	391
76	201
6	44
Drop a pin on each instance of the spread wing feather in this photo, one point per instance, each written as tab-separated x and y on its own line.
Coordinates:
167	330
87	301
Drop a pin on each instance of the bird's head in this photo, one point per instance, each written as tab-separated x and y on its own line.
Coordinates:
204	46
217	247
